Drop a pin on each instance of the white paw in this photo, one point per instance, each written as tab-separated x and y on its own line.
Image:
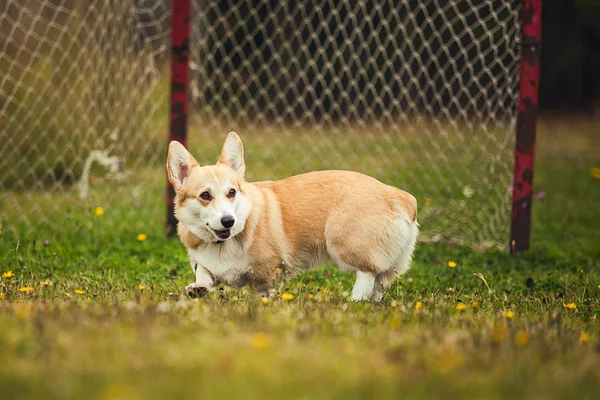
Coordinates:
363	287
360	295
197	289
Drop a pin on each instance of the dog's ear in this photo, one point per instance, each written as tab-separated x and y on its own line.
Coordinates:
179	164
232	154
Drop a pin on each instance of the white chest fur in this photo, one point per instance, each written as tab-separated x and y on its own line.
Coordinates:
227	262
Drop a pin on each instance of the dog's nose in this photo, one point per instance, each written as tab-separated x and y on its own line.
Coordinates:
227	221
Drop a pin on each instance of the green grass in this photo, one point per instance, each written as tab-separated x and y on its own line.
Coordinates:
116	341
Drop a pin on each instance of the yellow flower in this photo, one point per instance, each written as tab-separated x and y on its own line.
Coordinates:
287	296
78	291
595	172
265	300
99	211
509	314
68	294
141	237
309	296
570	306
418	305
8	274
498	333
451	264
277	271
26	289
427	202
45	283
521	338
475	304
395	323
598	286
461	307
259	341
584	337
1	296
142	287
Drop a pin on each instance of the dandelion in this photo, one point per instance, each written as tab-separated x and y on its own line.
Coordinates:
265	301
584	337
468	191
99	211
1	296
461	307
509	314
141	287
349	348
498	333
598	286
45	283
475	304
395	323
78	291
67	294
427	202
595	173
8	274
570	306
446	361
309	296
451	264
277	271
26	289
259	340
142	237
418	305
287	296
521	338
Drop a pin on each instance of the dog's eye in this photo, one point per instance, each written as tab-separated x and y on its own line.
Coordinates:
206	196
231	193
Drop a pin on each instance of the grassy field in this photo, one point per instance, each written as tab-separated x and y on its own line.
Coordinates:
98	313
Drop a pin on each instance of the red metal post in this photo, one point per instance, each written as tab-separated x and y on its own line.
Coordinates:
180	45
531	38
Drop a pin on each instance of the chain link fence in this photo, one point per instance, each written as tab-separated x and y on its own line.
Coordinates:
421	95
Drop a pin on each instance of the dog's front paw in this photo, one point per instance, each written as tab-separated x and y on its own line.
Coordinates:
196	290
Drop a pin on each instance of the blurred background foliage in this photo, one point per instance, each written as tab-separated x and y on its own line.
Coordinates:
570	66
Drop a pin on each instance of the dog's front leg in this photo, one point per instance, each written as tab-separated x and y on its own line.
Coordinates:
204	282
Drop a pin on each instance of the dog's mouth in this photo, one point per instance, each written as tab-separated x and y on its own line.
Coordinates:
223	234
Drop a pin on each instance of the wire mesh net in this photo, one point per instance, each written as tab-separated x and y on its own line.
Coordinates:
421	95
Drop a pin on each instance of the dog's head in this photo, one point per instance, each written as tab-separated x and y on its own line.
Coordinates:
210	202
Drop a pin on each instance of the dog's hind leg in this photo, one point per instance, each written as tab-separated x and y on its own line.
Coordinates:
363	287
383	281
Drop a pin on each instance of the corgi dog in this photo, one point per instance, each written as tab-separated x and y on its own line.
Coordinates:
237	232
